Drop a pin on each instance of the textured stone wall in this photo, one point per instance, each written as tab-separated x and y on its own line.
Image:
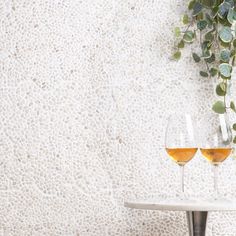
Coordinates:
86	87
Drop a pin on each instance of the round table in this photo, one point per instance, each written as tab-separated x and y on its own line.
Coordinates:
196	210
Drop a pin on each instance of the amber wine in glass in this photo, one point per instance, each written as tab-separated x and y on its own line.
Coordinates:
180	142
216	155
215	142
181	155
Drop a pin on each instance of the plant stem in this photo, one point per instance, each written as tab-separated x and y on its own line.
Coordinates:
208	69
188	25
217	33
226	87
207	66
183	32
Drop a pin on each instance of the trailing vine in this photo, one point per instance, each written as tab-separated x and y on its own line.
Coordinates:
213	23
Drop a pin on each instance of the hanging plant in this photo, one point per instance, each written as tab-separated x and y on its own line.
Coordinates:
213	23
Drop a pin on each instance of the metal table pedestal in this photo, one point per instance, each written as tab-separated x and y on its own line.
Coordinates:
197	221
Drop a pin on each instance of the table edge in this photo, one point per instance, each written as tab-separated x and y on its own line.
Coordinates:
156	206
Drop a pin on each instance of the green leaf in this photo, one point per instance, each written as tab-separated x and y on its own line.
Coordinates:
234	16
224	22
224	45
223	9
234	140
206	55
209	20
177	55
188	36
203	74
185	19
231	16
233	52
191	4
225	34
196	58
225	55
202	24
213	72
219	107
200	16
223	86
211	58
206	49
177	31
206	46
225	69
233	61
234	127
234	43
181	44
223	77
232	106
231	2
209	36
208	3
219	90
197	8
215	11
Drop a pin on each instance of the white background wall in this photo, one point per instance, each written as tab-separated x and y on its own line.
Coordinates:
85	91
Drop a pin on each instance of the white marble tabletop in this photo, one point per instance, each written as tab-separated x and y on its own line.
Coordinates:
182	205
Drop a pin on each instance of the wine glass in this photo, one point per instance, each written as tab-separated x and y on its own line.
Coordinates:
215	144
181	142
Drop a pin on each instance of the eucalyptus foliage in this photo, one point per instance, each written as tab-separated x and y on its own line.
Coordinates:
213	23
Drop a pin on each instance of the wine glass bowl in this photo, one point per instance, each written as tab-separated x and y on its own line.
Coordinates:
181	155
216	155
181	141
216	137
215	144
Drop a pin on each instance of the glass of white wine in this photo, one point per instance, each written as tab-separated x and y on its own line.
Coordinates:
215	142
181	142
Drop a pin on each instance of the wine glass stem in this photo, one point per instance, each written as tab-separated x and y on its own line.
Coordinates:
182	179
216	191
